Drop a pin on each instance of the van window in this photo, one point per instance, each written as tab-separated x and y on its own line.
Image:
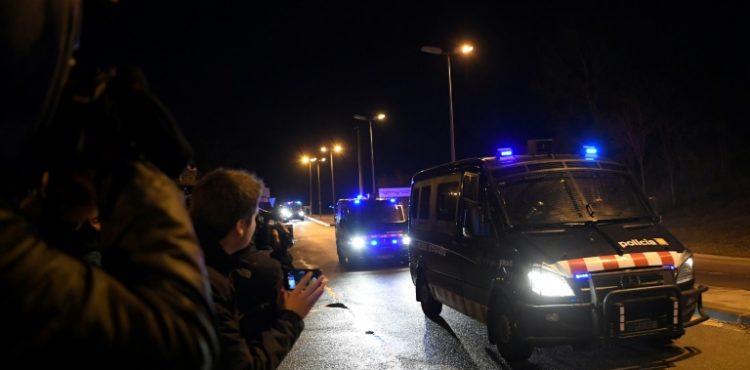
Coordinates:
424	203
471	186
376	213
447	201
555	198
413	201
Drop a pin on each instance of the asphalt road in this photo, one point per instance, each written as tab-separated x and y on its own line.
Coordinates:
369	319
727	272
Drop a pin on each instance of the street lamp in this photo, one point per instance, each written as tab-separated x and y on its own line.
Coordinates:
336	148
463	49
378	117
317	164
307	160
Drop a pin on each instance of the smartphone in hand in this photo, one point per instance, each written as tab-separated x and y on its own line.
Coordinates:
294	276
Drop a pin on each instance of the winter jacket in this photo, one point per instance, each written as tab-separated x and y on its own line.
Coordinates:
147	307
239	316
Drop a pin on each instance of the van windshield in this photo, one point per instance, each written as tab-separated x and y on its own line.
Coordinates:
569	197
375	213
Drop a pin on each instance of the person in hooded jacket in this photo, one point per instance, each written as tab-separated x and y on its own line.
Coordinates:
149	304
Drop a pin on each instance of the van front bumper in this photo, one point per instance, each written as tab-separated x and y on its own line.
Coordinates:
636	313
376	254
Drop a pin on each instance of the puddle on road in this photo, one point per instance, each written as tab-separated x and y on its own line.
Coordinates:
337	305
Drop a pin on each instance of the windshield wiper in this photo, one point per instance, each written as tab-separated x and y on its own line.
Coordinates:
590	210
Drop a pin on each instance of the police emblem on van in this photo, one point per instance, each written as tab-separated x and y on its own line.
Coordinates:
642	242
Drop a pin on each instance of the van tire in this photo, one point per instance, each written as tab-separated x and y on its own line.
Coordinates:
430	306
507	340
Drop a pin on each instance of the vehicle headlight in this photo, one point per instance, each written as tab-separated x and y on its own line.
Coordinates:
406	240
357	242
301	213
549	284
685	271
286	213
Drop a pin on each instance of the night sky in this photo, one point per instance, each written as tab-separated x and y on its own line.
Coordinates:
256	85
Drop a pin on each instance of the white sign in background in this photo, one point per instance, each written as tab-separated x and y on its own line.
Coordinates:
394	192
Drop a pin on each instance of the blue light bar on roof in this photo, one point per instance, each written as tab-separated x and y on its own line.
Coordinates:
504	152
590	151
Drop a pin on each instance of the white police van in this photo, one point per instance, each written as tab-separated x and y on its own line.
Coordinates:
548	249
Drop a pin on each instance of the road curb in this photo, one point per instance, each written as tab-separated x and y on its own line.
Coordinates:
728	317
319	222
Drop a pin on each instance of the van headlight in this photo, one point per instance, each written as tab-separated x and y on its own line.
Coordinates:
285	213
685	271
549	284
405	240
357	242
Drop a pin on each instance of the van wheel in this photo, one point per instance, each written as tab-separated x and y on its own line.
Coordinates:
430	306
510	346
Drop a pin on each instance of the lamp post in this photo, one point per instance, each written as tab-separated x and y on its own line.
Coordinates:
378	117
337	149
463	49
307	160
359	162
320	202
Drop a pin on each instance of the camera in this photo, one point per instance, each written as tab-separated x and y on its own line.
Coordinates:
266	223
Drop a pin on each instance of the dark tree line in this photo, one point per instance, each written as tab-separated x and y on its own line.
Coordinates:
670	105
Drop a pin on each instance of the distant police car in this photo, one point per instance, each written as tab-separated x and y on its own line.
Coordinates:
370	229
291	211
548	249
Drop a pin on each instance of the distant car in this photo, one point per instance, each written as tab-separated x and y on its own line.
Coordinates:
291	211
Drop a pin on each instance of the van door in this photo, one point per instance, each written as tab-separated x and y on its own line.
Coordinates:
476	245
434	232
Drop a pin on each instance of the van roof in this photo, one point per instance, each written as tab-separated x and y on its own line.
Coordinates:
520	164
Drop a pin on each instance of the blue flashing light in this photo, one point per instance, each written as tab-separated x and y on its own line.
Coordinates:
671	267
373	242
394	241
584	275
504	152
590	152
392	200
357	201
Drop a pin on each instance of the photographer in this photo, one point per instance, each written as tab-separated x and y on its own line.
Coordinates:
273	236
148	305
258	321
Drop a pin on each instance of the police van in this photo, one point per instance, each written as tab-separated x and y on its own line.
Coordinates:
548	249
370	229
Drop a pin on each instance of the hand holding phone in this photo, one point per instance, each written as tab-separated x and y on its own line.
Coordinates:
293	277
306	292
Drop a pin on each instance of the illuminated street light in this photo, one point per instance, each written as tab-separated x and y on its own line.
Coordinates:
378	117
335	149
463	49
